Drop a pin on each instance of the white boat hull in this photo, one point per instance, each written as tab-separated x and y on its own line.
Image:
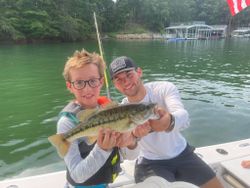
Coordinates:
224	158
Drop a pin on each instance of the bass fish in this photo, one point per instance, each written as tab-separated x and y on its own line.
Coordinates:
119	118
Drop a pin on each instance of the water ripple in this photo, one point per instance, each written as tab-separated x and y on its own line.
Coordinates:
12	142
29	146
27	122
49	120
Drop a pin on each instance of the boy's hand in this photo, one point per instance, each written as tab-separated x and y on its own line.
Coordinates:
106	138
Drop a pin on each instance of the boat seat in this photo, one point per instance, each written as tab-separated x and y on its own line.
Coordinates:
235	174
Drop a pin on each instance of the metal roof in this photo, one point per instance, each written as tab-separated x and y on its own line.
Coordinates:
189	26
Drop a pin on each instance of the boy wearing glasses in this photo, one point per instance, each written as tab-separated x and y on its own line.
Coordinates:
97	164
163	150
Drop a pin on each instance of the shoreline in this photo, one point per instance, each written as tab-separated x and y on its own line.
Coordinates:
140	36
108	36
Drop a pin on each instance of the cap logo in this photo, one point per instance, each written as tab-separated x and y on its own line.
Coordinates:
119	64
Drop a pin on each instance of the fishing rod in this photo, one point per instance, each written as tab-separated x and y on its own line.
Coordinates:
101	53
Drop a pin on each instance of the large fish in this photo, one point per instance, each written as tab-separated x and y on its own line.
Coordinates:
119	118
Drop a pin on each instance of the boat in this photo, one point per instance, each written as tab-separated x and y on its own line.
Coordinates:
241	33
225	159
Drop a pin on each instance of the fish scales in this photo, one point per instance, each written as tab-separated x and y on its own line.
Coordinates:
119	118
103	117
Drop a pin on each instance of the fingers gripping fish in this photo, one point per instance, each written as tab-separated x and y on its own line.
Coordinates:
119	118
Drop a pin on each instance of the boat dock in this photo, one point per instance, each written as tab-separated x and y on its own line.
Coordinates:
195	30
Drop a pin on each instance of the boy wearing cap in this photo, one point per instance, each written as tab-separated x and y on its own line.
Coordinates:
163	152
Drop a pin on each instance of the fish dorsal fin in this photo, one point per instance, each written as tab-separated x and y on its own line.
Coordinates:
111	105
85	114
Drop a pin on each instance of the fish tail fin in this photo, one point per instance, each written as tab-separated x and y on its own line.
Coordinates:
61	145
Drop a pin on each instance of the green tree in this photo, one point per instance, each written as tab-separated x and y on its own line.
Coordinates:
181	10
71	20
155	14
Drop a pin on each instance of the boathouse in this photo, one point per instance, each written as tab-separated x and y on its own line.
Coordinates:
195	30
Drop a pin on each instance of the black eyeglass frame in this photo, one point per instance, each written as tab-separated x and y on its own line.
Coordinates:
84	83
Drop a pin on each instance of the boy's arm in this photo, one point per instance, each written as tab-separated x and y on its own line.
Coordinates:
81	169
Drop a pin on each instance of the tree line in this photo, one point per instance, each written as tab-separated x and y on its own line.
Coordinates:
72	20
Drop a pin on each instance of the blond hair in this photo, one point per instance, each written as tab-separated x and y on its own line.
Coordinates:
82	58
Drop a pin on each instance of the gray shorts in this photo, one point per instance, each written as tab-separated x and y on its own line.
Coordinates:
186	167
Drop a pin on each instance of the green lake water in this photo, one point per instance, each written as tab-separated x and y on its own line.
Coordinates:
212	76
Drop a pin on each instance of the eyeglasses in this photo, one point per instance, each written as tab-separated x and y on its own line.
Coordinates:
80	84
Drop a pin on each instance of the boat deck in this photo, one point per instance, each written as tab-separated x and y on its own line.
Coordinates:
224	159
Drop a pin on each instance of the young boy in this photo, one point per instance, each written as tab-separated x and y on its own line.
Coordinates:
96	164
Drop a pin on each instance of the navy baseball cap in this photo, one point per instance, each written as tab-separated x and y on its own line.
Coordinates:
121	64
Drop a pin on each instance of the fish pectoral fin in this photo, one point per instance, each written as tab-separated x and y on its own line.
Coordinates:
61	145
91	139
85	114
